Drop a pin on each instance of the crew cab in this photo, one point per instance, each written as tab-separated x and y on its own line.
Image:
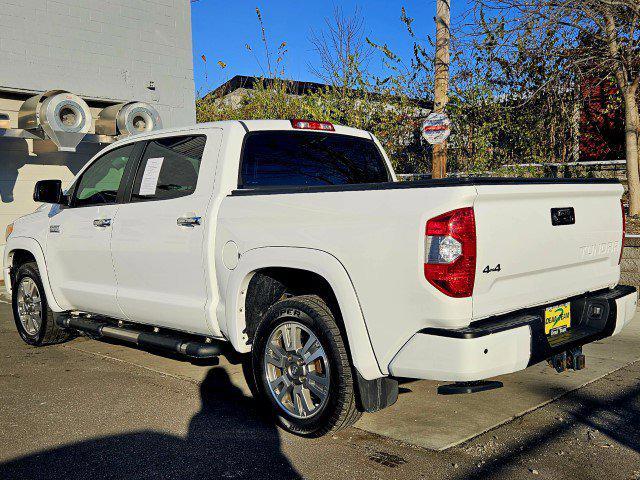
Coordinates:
293	242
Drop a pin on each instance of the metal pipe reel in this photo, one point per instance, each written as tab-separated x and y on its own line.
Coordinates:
58	115
5	121
126	119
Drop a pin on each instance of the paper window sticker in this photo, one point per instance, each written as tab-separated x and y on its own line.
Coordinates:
150	176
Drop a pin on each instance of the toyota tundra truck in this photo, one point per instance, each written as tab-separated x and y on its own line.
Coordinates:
292	245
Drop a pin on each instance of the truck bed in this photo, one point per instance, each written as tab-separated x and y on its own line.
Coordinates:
432	183
377	231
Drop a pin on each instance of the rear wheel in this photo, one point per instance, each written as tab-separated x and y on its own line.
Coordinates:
302	367
33	317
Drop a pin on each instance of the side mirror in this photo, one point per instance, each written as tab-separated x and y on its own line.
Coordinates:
49	191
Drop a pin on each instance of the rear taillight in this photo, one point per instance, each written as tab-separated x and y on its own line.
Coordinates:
450	252
312	125
624	232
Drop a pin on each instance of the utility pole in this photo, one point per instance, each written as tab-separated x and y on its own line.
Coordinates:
443	40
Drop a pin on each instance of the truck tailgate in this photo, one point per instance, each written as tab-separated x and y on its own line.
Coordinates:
524	260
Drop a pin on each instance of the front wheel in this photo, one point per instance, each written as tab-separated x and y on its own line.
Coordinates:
33	317
302	367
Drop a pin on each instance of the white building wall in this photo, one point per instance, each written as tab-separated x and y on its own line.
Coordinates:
106	50
23	163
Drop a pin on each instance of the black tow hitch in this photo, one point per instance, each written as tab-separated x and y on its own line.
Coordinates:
572	359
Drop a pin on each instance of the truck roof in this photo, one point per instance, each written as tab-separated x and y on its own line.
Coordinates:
256	125
249	126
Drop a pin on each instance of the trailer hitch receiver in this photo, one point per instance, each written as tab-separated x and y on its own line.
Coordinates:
572	359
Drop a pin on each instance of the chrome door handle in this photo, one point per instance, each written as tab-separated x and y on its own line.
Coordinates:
189	221
102	222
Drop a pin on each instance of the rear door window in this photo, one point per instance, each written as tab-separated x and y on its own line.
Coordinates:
169	168
283	158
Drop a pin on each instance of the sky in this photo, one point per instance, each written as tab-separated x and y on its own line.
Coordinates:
222	28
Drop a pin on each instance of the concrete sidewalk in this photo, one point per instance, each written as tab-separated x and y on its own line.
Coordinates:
423	418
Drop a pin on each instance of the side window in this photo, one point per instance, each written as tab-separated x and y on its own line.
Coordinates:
169	168
100	182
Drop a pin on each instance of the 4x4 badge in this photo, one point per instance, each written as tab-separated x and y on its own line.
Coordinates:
488	269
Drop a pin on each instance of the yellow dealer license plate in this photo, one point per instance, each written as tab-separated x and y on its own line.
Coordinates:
557	319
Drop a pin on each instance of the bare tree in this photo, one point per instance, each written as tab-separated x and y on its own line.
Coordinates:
342	50
600	39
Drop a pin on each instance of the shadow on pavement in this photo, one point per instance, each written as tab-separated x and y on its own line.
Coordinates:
227	438
616	417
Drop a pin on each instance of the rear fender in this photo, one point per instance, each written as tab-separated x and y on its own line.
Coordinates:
316	261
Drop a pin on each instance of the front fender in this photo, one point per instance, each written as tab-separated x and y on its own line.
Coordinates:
318	262
32	246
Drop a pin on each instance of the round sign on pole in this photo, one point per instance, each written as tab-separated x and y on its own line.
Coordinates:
436	128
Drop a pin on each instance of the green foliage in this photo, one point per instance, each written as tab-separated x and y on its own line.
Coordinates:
391	118
505	108
510	105
354	99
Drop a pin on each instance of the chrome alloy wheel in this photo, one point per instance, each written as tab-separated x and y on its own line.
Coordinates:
29	306
297	370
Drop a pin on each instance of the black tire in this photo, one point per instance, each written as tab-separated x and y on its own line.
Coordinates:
340	410
48	333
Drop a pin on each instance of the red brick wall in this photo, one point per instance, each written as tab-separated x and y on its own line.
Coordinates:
601	122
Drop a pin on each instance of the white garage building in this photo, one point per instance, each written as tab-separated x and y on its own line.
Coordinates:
105	51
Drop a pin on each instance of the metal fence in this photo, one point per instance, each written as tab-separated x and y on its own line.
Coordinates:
603	168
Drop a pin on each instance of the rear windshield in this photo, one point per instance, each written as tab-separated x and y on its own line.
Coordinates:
277	158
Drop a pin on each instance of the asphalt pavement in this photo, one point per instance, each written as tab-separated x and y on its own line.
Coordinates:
91	410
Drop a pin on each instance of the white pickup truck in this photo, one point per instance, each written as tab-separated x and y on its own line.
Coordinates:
294	242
